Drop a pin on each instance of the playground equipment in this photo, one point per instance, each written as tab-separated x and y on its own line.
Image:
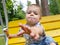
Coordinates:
6	19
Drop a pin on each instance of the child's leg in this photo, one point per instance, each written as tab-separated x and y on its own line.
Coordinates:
49	41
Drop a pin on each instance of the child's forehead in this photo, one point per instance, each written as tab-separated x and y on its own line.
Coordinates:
33	8
29	7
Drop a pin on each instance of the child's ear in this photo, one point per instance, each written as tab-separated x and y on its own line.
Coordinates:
40	17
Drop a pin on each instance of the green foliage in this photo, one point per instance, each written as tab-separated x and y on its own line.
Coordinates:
9	6
13	14
2	39
1	5
29	3
1	9
53	7
58	3
20	13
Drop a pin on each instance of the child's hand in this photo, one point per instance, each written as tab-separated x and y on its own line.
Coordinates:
6	31
25	28
33	32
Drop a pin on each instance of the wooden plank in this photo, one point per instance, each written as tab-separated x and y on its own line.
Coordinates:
18	44
16	23
58	43
57	39
51	26
47	26
50	18
16	40
53	33
22	41
24	44
14	30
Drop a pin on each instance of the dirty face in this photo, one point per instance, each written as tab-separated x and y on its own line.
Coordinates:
33	15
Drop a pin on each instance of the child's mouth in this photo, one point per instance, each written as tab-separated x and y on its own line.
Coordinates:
32	19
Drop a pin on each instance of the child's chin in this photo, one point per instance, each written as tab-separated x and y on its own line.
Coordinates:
32	23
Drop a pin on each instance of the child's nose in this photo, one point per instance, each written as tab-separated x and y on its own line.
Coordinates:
32	14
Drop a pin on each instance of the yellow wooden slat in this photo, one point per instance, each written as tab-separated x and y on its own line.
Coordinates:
22	41
16	40
18	44
57	39
50	18
53	25
16	23
59	43
53	33
14	30
47	26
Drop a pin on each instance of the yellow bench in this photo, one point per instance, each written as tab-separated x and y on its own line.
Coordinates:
51	25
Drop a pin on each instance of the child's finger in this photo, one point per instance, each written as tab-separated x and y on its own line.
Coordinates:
36	37
25	28
20	33
32	35
5	29
28	29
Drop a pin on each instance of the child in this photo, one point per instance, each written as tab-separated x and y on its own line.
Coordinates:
33	30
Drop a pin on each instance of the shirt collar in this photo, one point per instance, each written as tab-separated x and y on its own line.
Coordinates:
37	24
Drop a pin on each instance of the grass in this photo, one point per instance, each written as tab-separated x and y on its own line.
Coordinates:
2	41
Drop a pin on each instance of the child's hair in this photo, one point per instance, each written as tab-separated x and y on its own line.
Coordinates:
35	5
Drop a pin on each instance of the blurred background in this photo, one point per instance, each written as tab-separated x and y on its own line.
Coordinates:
16	10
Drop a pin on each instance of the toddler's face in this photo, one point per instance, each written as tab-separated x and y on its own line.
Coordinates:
33	15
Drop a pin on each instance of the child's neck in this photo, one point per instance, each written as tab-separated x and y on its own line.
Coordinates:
31	25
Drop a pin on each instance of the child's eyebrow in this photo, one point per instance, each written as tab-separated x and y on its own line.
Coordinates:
31	11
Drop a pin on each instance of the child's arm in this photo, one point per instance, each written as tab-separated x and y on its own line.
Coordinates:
24	30
34	32
16	35
13	35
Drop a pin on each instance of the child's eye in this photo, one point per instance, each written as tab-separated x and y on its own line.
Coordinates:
29	12
35	13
